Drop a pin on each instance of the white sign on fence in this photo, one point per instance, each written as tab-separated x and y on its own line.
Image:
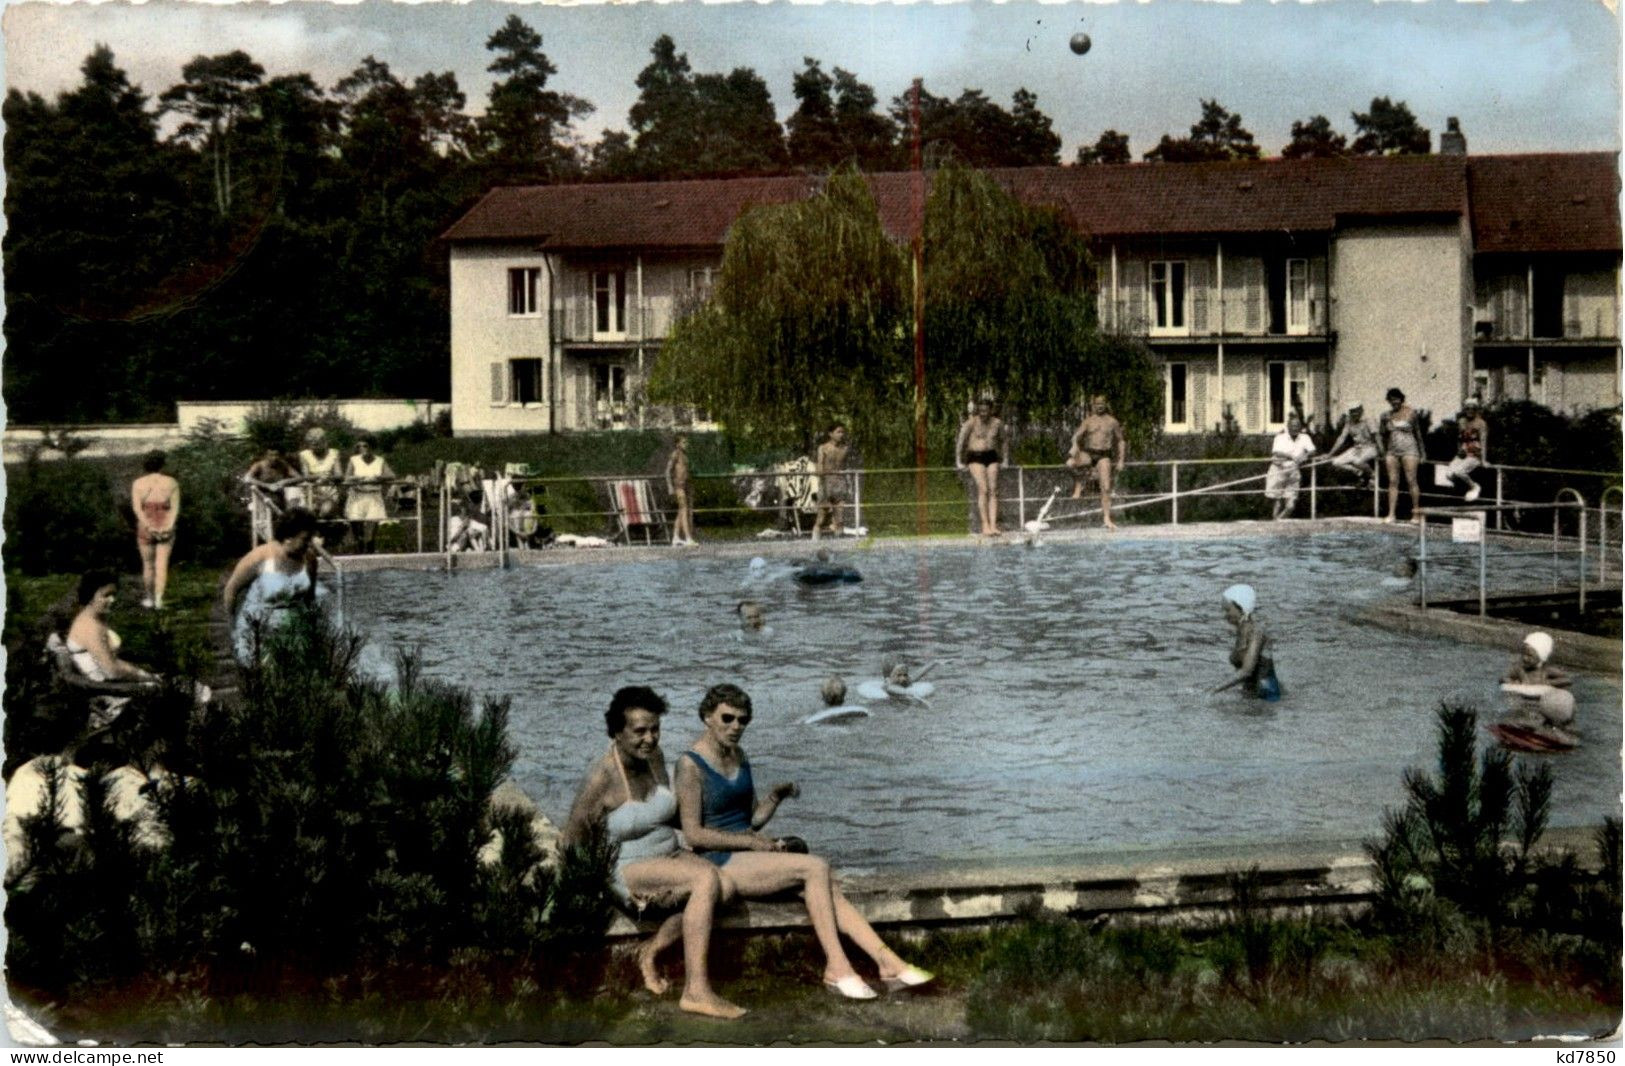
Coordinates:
1467	530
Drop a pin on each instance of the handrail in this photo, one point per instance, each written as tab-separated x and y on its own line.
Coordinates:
1602	530
1557	506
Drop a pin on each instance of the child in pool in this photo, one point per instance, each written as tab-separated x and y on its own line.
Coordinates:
1546	705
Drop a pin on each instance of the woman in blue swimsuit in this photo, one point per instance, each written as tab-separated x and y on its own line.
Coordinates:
1255	668
721	819
627	789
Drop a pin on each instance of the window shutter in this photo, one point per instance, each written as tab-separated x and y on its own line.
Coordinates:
1132	295
1196	395
634	306
1571	309
1254	421
499	383
1317	295
1198	282
1253	300
1517	321
581	315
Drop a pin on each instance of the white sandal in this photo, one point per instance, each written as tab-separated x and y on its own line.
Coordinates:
852	987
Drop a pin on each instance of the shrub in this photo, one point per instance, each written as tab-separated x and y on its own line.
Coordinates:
66	516
332	829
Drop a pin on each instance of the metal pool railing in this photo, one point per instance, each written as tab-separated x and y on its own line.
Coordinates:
884	500
1471	524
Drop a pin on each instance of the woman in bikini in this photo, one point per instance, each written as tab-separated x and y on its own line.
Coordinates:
716	798
1401	437
155	497
627	789
982	445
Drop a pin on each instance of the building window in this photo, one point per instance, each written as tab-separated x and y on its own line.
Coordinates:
1288	392
525	380
609	393
1297	296
1168	297
524	291
1177	405
700	282
609	303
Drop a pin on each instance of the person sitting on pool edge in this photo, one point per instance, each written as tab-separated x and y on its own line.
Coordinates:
719	811
1255	669
628	792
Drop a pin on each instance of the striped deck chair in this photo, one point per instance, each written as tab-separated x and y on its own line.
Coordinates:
632	500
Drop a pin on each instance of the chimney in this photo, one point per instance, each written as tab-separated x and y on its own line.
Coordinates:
1452	141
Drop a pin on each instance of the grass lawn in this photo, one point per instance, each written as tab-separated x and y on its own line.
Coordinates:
1024	982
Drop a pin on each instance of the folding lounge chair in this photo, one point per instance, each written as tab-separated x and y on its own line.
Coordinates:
632	501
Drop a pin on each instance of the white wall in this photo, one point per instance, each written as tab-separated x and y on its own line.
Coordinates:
482	333
374	415
1403	315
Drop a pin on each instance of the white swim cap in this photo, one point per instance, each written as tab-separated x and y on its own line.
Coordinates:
1242	596
758	563
1356	405
1541	644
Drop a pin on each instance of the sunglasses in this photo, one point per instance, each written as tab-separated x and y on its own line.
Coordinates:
730	719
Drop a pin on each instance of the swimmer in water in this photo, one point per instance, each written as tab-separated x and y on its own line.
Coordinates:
897	679
833	692
752	619
1547	706
1255	668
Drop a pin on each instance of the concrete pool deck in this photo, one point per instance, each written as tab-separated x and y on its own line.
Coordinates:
1186	885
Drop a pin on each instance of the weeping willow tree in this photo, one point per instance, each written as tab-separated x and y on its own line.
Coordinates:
806	323
1010	314
812	321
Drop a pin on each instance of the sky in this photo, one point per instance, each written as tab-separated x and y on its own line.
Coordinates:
1530	75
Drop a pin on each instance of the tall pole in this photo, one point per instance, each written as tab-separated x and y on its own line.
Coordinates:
919	311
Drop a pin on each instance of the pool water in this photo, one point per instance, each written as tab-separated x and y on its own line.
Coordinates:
1072	713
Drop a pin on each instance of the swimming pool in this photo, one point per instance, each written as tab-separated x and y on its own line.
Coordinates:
1071	716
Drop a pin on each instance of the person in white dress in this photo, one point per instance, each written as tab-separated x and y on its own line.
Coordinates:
366	476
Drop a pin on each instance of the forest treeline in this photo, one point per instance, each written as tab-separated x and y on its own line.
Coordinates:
246	236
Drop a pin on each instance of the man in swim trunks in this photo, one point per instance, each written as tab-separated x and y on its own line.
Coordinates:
834	483
1098	448
155	497
982	445
681	487
1474	435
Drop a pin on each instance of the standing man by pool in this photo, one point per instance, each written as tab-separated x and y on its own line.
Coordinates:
834	483
1288	452
681	486
982	445
1474	434
1098	448
1360	437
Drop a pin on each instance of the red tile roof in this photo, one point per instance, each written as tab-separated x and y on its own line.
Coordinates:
1519	203
1545	203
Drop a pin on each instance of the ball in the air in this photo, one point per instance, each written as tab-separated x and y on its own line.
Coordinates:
1080	43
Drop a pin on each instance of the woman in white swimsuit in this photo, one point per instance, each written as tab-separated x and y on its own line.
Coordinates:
629	791
1401	437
